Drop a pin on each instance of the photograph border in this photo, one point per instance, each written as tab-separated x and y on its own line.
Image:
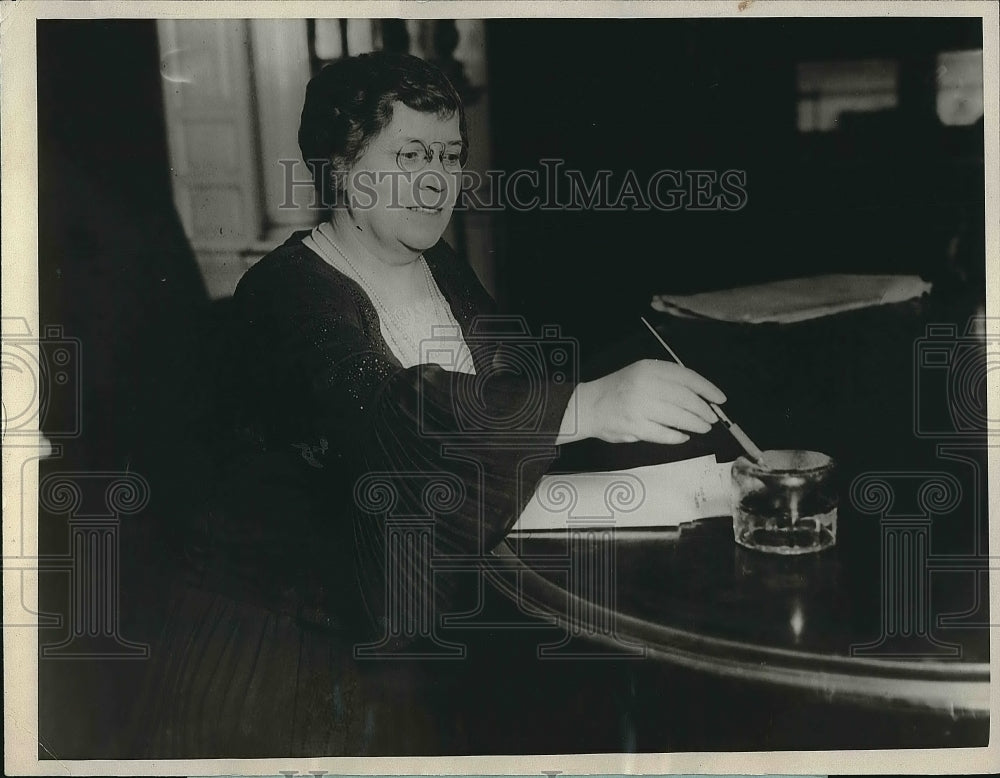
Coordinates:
19	148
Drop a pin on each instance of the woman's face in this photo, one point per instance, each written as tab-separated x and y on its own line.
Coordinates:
399	214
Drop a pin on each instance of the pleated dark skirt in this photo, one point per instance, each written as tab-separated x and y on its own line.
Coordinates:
229	678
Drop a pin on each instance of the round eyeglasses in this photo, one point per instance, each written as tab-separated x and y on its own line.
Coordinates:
415	156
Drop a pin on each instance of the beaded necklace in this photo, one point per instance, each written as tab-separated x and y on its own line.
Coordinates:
398	333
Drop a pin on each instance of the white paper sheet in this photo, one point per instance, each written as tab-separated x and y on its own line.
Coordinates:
665	495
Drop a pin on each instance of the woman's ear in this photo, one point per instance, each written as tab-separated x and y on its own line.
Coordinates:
336	180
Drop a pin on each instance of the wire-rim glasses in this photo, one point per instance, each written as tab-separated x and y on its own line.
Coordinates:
416	155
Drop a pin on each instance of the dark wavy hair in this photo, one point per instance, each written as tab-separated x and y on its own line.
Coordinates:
349	102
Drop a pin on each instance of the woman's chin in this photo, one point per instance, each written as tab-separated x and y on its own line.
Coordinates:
421	239
422	245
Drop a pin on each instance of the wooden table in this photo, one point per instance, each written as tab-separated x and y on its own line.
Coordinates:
892	621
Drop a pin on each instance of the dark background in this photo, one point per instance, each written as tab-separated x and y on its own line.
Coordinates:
884	193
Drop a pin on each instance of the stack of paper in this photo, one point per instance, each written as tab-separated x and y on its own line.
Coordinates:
664	495
794	299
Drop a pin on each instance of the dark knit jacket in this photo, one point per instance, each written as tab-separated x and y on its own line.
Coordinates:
359	471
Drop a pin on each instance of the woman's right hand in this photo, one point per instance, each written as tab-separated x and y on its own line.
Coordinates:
650	400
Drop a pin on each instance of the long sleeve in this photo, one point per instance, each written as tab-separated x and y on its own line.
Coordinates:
462	452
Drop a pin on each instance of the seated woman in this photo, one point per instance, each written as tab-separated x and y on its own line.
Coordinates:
378	392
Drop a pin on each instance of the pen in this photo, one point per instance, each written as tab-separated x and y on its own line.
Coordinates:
734	429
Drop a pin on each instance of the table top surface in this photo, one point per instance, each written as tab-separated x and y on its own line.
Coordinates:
895	613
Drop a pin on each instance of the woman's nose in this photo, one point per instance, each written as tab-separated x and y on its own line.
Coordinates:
434	183
434	177
432	188
437	165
